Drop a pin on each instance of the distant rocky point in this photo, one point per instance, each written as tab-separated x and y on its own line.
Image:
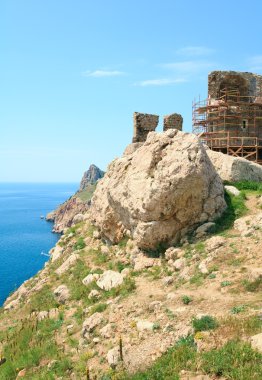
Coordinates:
72	210
91	176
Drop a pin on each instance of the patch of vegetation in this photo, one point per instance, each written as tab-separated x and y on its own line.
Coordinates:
170	314
225	283
27	344
98	308
123	242
80	244
186	300
236	361
204	323
247	185
155	272
200	246
253	286
197	279
235	209
44	299
86	194
156	326
238	309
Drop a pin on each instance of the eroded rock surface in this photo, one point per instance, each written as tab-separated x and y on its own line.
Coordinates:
235	169
159	192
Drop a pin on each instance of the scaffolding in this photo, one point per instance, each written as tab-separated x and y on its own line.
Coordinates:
230	124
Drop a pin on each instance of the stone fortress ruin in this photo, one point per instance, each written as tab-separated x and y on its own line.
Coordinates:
230	119
145	123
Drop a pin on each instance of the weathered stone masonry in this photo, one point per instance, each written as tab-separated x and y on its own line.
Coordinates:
145	123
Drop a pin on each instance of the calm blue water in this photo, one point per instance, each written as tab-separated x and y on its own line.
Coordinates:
23	235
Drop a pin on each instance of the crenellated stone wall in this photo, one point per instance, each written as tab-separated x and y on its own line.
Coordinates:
173	121
145	123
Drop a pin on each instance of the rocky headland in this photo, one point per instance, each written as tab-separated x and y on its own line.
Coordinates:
158	277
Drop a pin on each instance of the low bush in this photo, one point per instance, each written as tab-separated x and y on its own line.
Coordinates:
204	323
186	300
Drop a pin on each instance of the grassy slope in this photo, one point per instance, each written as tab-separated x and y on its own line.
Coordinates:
28	343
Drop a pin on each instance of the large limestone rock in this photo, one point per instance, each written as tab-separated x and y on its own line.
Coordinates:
109	280
235	169
158	192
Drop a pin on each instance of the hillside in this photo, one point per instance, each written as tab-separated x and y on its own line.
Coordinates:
121	310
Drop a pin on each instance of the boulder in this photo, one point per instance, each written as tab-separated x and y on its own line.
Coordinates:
113	357
94	294
67	264
173	253
62	293
232	190
78	218
159	192
145	325
234	169
106	331
91	323
56	252
142	262
256	342
248	225
179	263
110	279
214	243
90	278
203	230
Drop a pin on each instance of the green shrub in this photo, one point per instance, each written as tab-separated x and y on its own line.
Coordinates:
253	286
236	361
238	309
225	283
80	244
98	308
186	300
204	323
235	208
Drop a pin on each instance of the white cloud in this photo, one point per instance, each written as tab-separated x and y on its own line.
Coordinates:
160	82
195	51
103	73
255	63
189	67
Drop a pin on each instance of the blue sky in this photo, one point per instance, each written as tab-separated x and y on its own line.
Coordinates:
72	72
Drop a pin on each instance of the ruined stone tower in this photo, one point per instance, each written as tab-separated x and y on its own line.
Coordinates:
230	119
145	123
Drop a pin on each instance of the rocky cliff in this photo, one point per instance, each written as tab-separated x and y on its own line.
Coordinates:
106	307
73	209
91	176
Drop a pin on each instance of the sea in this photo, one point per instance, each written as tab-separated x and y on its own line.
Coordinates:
25	238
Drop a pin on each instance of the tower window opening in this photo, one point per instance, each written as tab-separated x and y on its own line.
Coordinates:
244	124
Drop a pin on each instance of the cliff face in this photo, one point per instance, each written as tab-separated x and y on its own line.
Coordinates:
73	209
90	177
66	214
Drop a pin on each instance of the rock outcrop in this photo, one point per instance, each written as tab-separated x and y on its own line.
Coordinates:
72	211
159	192
235	169
64	215
91	176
